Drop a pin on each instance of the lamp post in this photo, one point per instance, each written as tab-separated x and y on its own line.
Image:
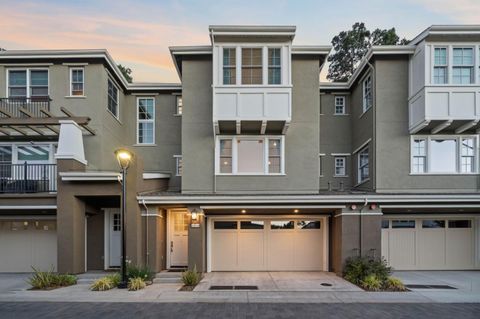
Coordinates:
124	157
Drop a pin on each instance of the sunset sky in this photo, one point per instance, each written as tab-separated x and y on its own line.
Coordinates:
138	33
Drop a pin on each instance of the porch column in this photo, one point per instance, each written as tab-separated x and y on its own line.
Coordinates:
197	242
155	246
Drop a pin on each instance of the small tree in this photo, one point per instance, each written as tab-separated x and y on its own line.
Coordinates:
126	71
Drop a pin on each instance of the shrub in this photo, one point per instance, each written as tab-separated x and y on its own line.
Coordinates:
358	268
114	278
50	279
143	272
372	283
191	277
102	284
394	284
136	283
65	280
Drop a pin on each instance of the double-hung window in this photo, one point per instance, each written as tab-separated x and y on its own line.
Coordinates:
274	66
367	93
444	154
32	83
363	167
440	66
229	66
179	105
76	82
339	105
146	120
462	67
178	165
112	98
252	72
340	165
250	155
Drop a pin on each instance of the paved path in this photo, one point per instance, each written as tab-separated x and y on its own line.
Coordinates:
38	310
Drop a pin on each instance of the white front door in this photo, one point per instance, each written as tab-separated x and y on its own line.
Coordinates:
178	246
115	234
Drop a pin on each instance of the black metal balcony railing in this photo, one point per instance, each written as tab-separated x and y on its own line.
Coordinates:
33	105
28	178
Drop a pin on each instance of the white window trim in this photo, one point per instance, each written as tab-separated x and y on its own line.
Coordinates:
279	67
71	81
28	70
14	146
458	138
366	107
176	105
265	139
471	66
359	175
118	99
320	166
344	106
450	47
145	121
178	158
344	159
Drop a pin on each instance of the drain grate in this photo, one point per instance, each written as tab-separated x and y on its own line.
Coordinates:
233	288
324	284
429	287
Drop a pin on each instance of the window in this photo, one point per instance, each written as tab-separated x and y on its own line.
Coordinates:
440	66
5	161
250	155
363	170
367	93
112	98
419	156
251	224
31	83
339	105
252	66
146	120
178	165
32	153
274	66
320	164
282	224
308	224
460	224
403	224
229	66
444	155
179	109
462	68
340	165
385	223
225	225
116	225
433	223
76	82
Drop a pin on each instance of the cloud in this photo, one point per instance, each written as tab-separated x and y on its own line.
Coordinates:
460	11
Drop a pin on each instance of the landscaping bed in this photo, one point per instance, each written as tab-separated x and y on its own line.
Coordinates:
190	279
138	278
49	280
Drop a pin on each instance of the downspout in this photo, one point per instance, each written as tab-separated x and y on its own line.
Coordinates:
374	120
360	233
212	39
147	253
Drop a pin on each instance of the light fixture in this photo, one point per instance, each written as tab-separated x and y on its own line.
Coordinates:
194	216
373	206
243	211
353	207
295	210
124	157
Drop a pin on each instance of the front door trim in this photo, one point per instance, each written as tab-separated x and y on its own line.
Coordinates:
170	220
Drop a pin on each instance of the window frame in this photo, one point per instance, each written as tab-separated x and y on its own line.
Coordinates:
462	66
342	105
344	160
253	66
71	81
230	66
178	106
28	80
367	102
235	139
152	120
15	145
360	167
458	154
117	116
272	66
441	66
178	165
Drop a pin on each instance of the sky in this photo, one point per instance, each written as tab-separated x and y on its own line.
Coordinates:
137	33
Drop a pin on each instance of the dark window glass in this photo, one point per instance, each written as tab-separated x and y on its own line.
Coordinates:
225	225
252	224
308	224
433	223
385	223
403	224
281	224
459	224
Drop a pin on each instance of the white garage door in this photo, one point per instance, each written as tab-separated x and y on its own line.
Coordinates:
429	244
27	243
268	244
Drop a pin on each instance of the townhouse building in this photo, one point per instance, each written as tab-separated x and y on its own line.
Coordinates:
250	163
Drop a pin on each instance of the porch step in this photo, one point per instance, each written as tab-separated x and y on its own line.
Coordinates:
166	277
89	277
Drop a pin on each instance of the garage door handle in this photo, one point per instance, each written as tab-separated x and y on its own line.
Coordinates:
171	246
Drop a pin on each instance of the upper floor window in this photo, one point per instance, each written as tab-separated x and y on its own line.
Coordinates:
274	66
440	66
112	98
28	83
252	66
367	93
339	105
145	121
178	165
444	154
76	82
363	165
229	65
463	64
179	105
250	155
340	166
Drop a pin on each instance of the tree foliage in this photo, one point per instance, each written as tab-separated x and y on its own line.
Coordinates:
350	46
126	71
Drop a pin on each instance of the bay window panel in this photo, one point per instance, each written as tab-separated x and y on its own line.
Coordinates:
274	156
250	156
462	70
252	66
440	66
274	66
226	156
229	66
443	156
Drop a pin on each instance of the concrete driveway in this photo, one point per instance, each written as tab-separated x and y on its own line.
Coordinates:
9	283
277	281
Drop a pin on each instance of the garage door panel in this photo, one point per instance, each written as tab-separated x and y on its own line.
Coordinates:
251	254
431	248
308	256
281	250
224	244
402	249
44	257
459	248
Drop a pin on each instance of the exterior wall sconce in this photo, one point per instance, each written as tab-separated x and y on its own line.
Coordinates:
353	207
373	206
194	216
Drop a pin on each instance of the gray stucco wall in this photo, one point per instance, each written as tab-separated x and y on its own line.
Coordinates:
393	138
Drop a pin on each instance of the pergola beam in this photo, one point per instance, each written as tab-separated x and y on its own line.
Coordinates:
42	121
441	126
466	126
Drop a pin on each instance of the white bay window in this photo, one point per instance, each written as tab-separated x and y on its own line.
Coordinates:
444	154
250	155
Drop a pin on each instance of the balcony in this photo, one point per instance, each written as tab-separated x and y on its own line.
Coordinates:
15	107
28	178
436	108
